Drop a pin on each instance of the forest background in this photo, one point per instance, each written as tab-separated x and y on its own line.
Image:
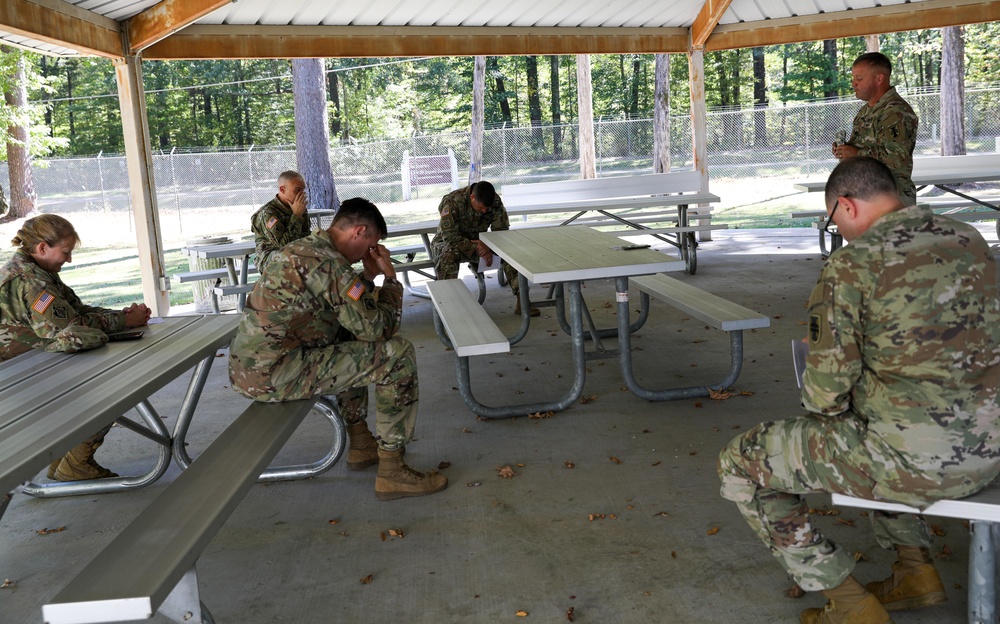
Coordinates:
206	106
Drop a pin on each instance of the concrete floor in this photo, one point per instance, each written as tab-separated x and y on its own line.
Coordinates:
634	531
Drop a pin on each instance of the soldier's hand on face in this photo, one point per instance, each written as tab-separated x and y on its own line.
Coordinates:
381	261
299	203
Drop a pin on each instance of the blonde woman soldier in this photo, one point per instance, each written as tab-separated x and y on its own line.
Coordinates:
39	311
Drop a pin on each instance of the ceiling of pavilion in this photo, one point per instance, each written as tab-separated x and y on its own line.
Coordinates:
164	29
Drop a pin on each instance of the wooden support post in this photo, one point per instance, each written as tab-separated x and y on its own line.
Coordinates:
584	91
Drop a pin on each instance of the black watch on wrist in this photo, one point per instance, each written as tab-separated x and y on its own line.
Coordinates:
390	280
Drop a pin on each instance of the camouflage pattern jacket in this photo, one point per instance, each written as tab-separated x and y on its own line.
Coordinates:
904	334
309	298
888	133
39	311
274	226
460	224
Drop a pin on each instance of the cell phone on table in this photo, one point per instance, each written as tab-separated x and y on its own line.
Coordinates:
126	335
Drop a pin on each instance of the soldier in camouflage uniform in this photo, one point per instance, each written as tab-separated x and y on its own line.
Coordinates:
39	311
312	326
466	213
281	220
901	383
886	127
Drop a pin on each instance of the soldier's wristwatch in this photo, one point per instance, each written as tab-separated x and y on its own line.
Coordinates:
390	280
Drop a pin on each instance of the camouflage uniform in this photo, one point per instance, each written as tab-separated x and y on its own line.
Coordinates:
313	326
39	311
274	225
901	379
887	132
459	230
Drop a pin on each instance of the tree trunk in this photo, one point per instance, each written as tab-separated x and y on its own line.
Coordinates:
556	112
585	103
534	102
759	98
633	111
493	66
312	140
952	91
478	119
22	196
871	43
661	115
334	95
830	76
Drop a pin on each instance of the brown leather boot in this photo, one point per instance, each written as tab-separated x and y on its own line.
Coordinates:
363	451
51	474
517	308
79	465
914	582
397	480
850	603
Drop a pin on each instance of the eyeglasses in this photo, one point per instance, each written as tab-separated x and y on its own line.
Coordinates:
829	220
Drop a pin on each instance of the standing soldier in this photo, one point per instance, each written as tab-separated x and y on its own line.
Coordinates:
464	214
281	220
886	127
312	326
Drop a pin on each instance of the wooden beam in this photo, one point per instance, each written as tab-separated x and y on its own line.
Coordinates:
165	18
231	42
708	18
63	24
857	23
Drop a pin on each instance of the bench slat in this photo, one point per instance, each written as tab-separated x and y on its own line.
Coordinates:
207	274
469	327
132	576
984	505
712	309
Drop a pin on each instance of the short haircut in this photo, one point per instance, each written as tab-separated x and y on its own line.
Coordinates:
862	177
289	176
484	192
360	211
877	60
48	228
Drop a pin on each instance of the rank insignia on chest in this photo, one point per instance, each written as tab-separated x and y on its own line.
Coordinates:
894	131
369	304
272	222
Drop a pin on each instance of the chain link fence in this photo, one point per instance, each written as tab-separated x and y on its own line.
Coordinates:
785	141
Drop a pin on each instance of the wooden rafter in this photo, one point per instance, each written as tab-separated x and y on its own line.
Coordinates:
62	24
857	23
166	18
708	18
221	42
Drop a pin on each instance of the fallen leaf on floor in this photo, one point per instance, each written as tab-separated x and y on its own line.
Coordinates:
8	583
735	427
845	521
673	554
746	393
697	403
825	512
519	465
647	431
569	464
335	521
859	556
466	430
656	463
541	415
366	580
700	340
588	399
662	513
473	484
569	614
443	465
521	613
945	552
506	472
50	531
629	506
613	517
382	535
719	395
693	453
712	531
615	459
397	533
795	591
595	516
938	530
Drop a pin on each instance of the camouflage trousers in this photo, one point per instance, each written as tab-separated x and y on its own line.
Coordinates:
447	258
766	472
346	369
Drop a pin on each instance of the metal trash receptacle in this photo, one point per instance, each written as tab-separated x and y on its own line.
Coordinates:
203	288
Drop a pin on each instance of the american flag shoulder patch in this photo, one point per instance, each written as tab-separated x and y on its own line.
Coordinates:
355	291
43	302
272	222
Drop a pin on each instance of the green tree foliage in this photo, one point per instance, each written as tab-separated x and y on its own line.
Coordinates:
41	142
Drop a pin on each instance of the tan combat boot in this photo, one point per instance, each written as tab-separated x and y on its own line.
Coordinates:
850	603
397	480
363	451
913	583
517	308
79	464
51	474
